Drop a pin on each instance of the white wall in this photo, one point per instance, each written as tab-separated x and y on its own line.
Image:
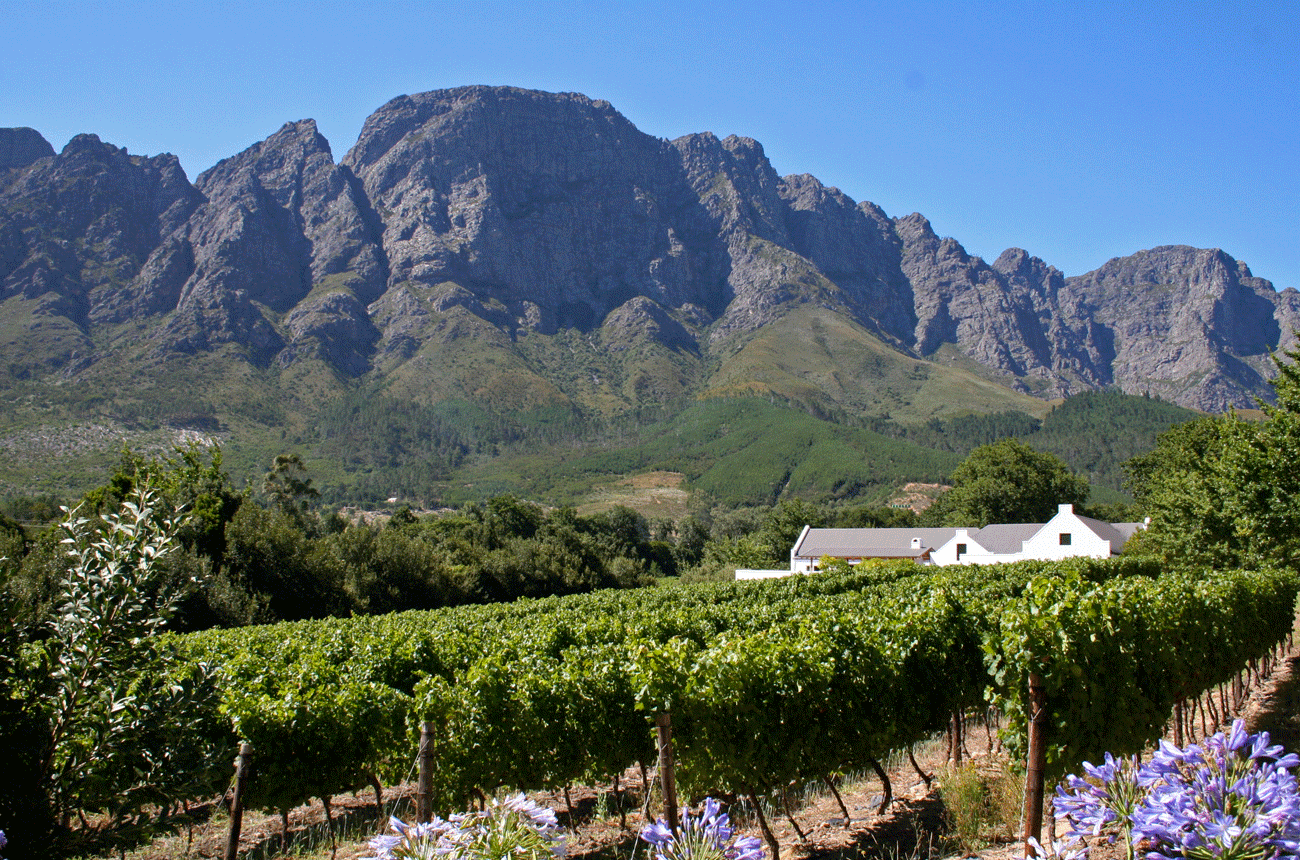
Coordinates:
1046	544
763	574
975	554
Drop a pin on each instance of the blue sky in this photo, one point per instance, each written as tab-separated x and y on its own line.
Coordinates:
1078	131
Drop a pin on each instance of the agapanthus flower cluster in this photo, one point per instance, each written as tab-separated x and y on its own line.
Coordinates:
707	836
513	829
1232	798
1101	803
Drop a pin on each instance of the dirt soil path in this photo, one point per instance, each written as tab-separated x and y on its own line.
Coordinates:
1275	708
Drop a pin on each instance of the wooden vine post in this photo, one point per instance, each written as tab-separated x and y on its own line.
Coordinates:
423	807
667	779
1035	765
242	765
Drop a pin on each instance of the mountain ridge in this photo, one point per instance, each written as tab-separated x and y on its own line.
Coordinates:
531	251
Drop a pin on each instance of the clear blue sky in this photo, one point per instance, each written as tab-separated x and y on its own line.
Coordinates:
1078	131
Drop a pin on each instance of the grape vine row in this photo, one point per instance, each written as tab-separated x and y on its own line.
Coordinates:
766	682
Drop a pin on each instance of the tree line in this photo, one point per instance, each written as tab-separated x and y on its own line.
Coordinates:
274	554
1220	491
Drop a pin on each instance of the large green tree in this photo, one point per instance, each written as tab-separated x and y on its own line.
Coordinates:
1007	482
1225	491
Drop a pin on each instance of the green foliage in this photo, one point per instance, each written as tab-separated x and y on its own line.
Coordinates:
1226	491
1115	655
24	734
1094	432
270	556
1007	482
282	566
317	727
961	434
746	451
194	480
125	726
766	682
872	517
392	569
287	485
42	508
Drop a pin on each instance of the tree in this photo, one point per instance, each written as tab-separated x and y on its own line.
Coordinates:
1224	491
782	526
287	485
1007	482
124	727
271	557
24	733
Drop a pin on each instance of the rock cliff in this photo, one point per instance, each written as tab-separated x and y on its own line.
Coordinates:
540	246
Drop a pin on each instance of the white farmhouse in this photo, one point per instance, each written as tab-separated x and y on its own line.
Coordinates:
1065	535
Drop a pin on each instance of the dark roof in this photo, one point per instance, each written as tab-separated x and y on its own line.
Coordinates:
1107	531
869	543
1003	538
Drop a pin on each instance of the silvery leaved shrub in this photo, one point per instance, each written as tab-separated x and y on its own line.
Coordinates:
126	728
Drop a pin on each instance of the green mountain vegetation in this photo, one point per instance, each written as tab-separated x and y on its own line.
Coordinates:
1094	433
365	447
810	406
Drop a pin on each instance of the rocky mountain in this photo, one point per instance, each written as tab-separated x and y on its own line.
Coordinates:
524	250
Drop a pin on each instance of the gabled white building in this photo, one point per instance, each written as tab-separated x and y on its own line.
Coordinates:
1065	535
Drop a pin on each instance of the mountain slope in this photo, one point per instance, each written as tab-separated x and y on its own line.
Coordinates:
535	254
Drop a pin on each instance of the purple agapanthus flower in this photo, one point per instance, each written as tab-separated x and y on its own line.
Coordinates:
1100	802
421	841
707	836
516	828
1231	798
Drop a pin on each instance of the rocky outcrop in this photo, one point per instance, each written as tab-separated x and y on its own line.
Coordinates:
856	247
90	217
21	147
998	315
281	222
516	218
553	206
1191	325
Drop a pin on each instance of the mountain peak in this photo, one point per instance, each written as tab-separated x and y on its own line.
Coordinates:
20	147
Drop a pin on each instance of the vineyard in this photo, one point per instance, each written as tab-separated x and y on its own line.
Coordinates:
766	683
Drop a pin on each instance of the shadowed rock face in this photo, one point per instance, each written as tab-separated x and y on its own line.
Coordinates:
285	229
856	247
1191	325
518	213
554	206
20	147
